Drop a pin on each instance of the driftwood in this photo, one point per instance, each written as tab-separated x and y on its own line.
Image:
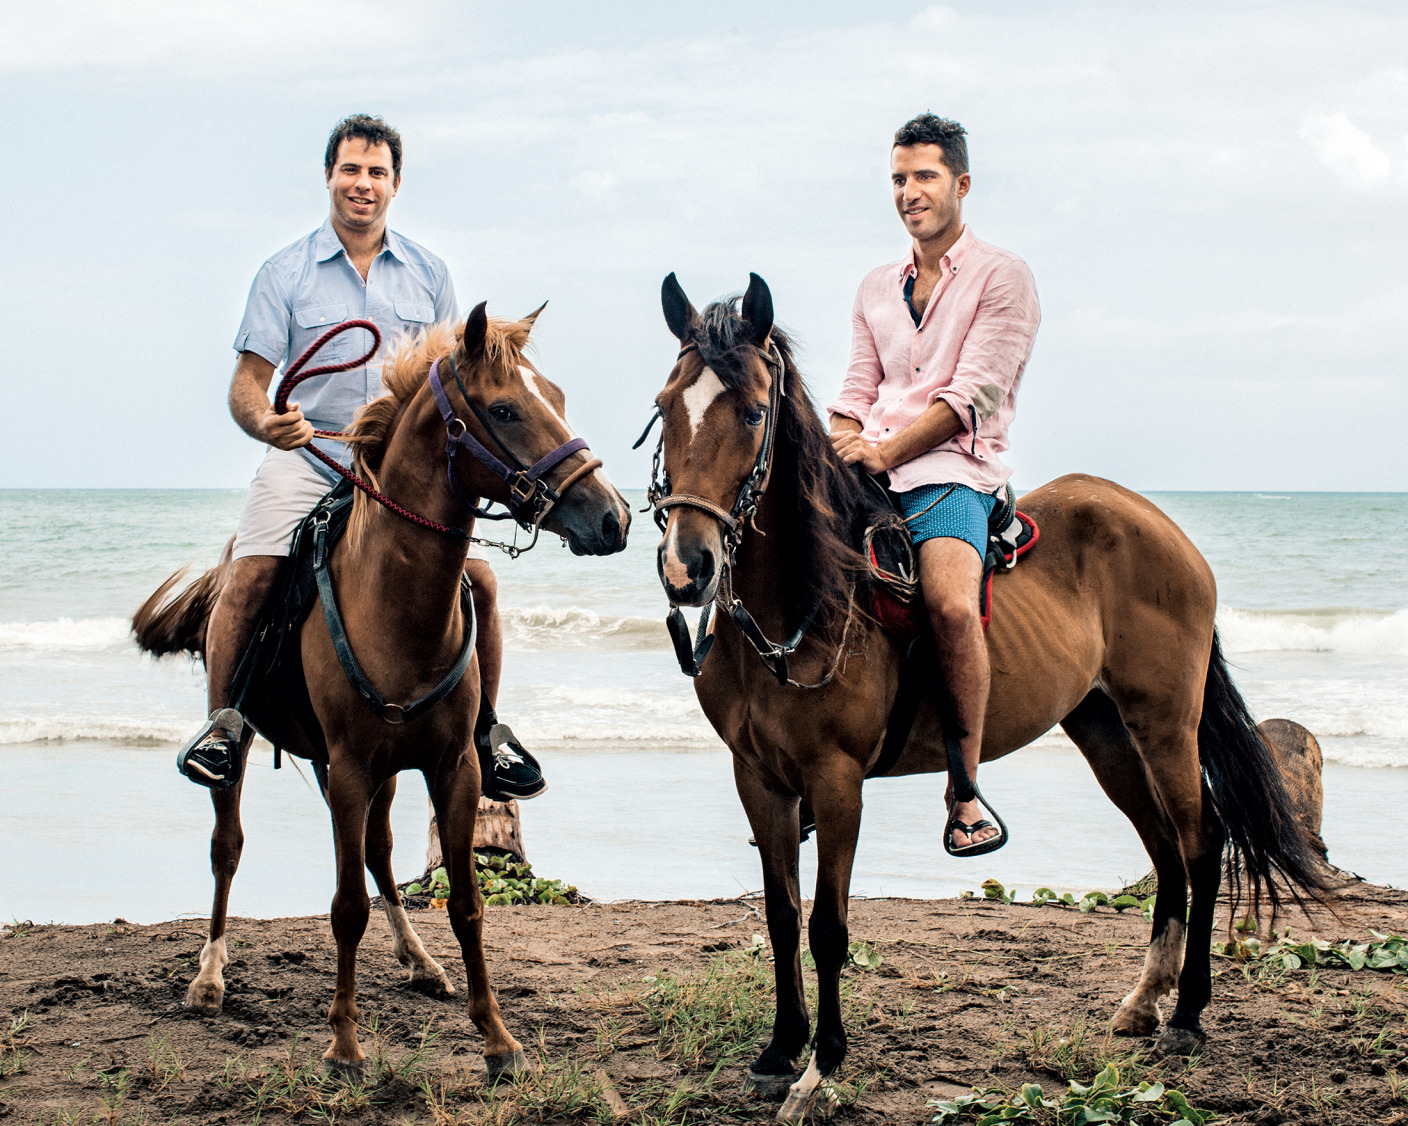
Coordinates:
496	826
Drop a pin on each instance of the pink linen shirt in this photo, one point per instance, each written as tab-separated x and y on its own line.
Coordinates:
969	349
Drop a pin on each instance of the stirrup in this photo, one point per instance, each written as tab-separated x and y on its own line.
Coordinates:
982	848
189	761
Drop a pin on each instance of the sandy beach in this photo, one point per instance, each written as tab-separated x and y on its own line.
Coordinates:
654	1008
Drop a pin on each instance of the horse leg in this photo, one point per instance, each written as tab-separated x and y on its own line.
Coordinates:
206	993
1096	728
1166	733
426	974
455	793
834	794
774	819
349	796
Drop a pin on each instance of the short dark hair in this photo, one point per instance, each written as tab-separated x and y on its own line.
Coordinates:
370	129
928	129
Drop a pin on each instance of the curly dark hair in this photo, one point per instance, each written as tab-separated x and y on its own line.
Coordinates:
372	130
929	129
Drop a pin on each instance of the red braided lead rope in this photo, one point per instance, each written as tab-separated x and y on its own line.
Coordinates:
294	375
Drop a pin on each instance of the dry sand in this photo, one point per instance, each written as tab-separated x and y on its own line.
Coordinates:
969	992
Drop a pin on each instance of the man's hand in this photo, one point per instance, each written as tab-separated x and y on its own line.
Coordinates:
287	431
855	450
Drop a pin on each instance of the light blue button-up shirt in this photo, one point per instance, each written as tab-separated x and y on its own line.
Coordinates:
311	285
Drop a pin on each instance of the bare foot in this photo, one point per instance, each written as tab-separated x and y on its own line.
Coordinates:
969	812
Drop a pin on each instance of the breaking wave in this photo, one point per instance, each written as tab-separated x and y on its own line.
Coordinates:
1331	630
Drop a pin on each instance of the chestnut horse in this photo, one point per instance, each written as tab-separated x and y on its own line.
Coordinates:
1106	628
398	586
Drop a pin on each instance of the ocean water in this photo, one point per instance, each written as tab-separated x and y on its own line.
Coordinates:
1313	612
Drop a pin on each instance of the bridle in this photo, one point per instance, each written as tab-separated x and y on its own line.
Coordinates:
531	498
660	497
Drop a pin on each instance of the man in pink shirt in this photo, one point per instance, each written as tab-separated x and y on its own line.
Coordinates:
939	342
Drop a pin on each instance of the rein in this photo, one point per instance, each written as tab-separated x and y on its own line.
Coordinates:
530	497
773	654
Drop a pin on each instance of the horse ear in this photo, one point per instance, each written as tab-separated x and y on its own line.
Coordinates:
757	309
679	313
476	328
528	321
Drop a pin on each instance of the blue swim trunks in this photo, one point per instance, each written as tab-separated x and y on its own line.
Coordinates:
961	515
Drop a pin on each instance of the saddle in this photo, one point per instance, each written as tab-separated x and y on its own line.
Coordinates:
270	673
889	551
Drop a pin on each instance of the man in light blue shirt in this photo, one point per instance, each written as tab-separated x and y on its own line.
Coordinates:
351	267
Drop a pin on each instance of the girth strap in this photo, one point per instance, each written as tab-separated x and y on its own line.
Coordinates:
391	713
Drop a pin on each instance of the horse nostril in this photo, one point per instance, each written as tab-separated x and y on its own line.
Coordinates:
702	570
610	527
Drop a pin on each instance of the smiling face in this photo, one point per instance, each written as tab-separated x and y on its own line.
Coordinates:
361	185
928	196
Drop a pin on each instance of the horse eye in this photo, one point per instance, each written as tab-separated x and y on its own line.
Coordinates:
501	413
754	416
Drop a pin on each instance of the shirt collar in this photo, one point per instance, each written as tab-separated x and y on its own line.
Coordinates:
326	244
955	256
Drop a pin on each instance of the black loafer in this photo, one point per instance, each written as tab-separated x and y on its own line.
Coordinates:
212	758
507	771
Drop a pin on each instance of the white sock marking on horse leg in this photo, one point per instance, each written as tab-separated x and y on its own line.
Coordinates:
699	395
1162	962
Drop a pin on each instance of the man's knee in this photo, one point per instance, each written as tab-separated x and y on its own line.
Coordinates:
484	585
951	612
251	580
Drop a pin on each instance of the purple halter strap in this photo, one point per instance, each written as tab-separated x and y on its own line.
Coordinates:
529	495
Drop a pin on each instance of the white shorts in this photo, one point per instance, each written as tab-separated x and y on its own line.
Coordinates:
284	490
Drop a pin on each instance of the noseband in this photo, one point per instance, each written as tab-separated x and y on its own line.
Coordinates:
691	653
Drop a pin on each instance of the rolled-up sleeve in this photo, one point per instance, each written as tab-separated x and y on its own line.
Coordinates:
996	346
861	386
267	312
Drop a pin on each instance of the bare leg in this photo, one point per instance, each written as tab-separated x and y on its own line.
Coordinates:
489	645
455	791
773	818
232	622
950	571
349	798
426	974
207	992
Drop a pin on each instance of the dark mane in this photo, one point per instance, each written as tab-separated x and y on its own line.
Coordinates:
823	509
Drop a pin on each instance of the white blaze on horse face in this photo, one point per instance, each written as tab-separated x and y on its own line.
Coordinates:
676	572
530	381
698	397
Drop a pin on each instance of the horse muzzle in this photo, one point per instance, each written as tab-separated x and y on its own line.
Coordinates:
593	517
689	565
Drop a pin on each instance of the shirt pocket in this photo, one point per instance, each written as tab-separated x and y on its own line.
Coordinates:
414	312
311	321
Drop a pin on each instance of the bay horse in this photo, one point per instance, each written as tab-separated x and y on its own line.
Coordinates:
1106	628
397	585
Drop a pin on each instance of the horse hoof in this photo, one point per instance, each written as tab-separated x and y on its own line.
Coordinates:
432	986
1179	1042
810	1098
350	1071
509	1063
204	999
1136	1021
768	1086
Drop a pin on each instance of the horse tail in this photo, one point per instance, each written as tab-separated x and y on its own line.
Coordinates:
177	625
1266	839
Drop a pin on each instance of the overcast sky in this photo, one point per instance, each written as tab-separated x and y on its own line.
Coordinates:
1213	198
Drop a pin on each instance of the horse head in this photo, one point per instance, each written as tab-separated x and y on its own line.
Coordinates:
518	416
718	412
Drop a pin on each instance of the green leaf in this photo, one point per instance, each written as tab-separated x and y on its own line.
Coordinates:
1124	902
413	889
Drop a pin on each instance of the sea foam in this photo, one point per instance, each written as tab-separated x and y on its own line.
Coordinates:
1317	631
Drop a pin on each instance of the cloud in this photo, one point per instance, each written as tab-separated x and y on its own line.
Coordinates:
1347	151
